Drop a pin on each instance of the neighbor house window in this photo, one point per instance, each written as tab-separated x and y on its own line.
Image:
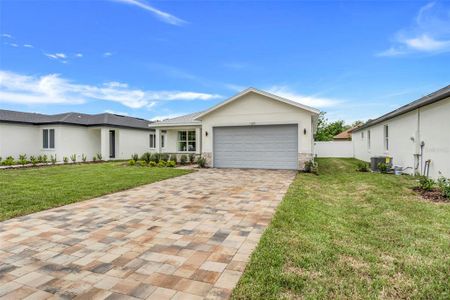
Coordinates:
368	139
163	141
152	140
386	137
186	141
48	138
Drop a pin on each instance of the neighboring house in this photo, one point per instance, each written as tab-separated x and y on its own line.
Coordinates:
411	135
112	136
253	129
344	135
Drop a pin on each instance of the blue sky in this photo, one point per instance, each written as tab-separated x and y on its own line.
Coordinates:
155	59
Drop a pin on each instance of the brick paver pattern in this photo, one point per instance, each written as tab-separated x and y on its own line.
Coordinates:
188	237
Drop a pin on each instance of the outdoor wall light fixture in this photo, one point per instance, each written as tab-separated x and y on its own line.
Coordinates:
304	130
206	133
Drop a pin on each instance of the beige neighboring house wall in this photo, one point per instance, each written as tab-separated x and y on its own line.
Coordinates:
429	124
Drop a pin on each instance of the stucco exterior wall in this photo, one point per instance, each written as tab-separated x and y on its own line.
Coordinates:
430	124
253	109
16	139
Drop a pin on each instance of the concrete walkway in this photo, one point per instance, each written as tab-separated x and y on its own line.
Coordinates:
188	237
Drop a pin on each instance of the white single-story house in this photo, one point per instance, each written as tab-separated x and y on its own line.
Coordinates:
112	136
414	135
253	129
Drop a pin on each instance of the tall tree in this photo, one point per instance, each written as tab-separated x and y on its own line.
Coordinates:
327	130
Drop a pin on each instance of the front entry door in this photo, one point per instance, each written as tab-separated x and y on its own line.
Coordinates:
112	144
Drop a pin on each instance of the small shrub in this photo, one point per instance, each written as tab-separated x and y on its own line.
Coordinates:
383	168
171	164
183	159
162	164
99	156
94	159
33	160
135	157
362	166
0	160
164	157
312	166
9	161
40	159
131	162
152	164
53	159
444	186
155	157
73	158
201	161
147	157
65	159
426	184
83	157
173	157
44	159
192	158
23	159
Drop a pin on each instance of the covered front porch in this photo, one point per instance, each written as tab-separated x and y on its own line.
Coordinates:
178	140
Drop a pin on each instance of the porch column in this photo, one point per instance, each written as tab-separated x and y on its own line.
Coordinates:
158	140
104	143
198	139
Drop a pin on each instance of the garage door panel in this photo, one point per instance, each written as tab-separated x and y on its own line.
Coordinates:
271	147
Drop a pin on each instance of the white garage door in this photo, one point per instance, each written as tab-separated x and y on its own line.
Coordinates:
262	147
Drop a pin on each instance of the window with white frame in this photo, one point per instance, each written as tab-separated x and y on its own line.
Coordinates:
48	138
386	137
368	139
186	141
163	140
152	140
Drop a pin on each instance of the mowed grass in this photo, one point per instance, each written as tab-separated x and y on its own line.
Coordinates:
23	191
350	235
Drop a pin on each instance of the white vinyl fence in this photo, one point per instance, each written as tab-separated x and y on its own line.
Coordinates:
333	149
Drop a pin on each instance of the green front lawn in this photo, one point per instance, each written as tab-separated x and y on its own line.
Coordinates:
345	234
23	191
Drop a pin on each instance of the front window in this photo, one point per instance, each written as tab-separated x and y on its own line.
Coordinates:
152	140
48	138
186	141
163	141
386	137
368	139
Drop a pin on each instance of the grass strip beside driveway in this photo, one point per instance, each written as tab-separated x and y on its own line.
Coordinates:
24	191
350	235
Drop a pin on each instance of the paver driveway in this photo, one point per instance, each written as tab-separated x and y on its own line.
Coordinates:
183	238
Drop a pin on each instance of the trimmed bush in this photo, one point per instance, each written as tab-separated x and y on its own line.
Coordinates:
164	157
383	168
152	164
147	157
53	159
362	166
9	161
312	166
73	158
131	162
173	157
201	161
33	160
83	157
23	159
99	156
183	159
171	164
162	164
135	157
426	184
192	158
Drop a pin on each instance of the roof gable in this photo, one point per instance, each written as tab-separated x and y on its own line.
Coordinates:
259	92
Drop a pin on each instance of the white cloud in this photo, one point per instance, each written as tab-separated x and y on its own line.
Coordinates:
313	101
13	45
430	33
168	116
122	113
79	55
54	89
61	57
6	35
163	16
28	46
107	54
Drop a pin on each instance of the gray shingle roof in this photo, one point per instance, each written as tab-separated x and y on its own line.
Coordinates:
73	118
185	119
426	100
